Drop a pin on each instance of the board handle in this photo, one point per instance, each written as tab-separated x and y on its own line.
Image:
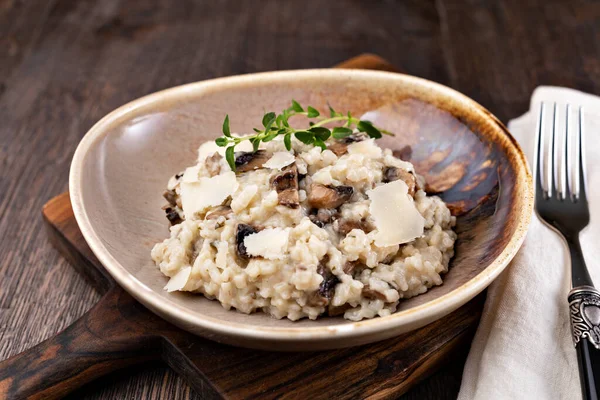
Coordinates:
102	341
368	61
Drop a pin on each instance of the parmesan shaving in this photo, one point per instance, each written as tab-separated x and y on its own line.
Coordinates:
396	217
366	147
179	281
197	196
280	160
191	174
270	243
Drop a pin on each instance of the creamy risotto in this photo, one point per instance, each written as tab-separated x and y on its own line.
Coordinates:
305	233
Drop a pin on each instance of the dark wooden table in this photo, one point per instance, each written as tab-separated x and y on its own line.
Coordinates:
66	63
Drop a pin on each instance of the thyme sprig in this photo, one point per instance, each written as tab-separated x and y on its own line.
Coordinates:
316	134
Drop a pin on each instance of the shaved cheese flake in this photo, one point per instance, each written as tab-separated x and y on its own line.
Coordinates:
396	217
209	148
207	192
366	147
191	174
179	281
280	160
270	243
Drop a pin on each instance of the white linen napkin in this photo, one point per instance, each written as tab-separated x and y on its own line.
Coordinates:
523	347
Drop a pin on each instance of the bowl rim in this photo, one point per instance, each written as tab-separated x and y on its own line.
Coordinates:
420	314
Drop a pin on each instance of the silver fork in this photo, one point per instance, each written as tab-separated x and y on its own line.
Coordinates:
561	202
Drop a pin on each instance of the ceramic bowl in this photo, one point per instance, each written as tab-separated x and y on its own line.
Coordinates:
122	165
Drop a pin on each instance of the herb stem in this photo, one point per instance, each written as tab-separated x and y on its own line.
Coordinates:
278	124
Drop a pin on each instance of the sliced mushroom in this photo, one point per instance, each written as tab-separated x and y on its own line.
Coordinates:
345	226
323	295
243	230
322	216
354	268
321	196
391	174
330	281
285	184
334	311
171	197
250	160
220	211
371	294
340	146
213	164
173	216
350	266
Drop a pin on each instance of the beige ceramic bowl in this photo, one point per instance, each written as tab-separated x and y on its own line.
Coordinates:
121	167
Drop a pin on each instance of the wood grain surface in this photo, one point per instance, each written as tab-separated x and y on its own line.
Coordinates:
64	64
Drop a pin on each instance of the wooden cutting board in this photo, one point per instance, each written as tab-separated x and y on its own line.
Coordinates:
119	332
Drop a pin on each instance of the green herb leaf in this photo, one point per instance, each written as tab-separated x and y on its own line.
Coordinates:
270	136
278	124
268	117
320	143
312	113
340	132
332	112
321	132
222	141
287	140
230	157
369	129
284	118
226	130
305	137
268	127
296	106
255	143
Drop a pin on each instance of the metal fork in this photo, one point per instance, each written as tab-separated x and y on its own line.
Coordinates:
561	202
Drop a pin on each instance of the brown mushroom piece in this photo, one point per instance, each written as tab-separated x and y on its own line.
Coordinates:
326	289
321	196
330	281
285	184
340	146
213	164
391	174
334	311
371	294
345	226
171	197
220	211
250	160
173	216
322	216
243	230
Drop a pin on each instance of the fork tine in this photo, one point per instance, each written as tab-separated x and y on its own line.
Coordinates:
539	153
582	190
551	161
568	167
555	168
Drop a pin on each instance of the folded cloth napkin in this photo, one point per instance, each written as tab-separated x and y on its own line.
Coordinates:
523	347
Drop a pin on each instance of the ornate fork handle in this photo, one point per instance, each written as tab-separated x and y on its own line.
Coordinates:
584	306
